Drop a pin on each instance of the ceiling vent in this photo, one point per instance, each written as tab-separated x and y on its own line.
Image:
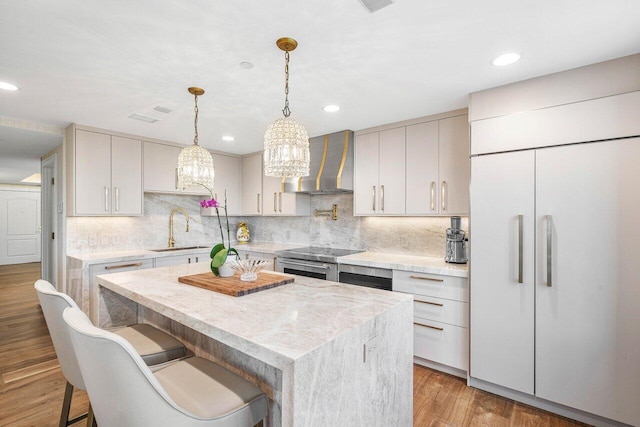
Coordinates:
162	109
143	118
375	5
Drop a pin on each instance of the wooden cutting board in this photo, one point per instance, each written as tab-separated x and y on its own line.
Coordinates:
233	285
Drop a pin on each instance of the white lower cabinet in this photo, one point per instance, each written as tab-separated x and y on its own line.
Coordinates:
440	318
106	268
182	259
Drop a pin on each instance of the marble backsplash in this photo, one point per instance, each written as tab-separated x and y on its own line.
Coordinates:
403	235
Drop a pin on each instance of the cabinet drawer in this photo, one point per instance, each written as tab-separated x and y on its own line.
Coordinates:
433	285
441	310
441	343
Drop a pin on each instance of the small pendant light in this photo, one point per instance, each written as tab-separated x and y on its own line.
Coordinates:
195	164
286	142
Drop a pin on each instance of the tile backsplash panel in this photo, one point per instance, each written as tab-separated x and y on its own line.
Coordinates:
404	235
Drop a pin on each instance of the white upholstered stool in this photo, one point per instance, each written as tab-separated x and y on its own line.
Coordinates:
154	346
191	392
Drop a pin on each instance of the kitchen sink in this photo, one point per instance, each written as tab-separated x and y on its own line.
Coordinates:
183	248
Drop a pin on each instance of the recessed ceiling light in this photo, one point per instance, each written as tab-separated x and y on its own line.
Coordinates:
246	65
506	59
331	108
228	138
8	86
32	179
143	118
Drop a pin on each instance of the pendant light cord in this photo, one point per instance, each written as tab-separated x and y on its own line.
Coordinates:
195	122
286	111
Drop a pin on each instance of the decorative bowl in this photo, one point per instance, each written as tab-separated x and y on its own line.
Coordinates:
248	268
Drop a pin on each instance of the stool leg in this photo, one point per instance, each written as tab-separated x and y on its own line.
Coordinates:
91	419
66	405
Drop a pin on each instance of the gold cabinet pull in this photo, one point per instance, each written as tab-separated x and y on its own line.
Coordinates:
429	302
373	198
258	204
133	264
443	202
427	278
429	326
433	196
382	198
275	202
106	199
280	202
117	197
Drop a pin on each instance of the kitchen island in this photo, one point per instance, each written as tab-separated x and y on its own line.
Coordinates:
303	344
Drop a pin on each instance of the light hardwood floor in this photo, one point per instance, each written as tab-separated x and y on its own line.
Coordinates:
32	383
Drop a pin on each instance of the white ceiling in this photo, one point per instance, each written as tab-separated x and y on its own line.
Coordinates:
97	62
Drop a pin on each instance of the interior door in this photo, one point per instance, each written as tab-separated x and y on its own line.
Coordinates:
502	274
588	280
19	227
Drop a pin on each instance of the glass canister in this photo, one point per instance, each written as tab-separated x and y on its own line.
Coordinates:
242	235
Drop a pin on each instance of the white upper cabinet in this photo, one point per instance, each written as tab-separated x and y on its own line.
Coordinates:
422	169
264	195
228	177
161	169
454	165
418	169
391	175
106	174
252	184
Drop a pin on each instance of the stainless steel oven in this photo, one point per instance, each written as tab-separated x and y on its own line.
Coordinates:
371	277
311	261
319	270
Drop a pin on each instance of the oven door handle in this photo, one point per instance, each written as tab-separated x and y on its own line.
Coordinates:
302	264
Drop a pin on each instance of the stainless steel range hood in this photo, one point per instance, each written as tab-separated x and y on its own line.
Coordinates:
331	168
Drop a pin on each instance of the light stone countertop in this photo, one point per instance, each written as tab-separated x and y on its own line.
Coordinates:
86	259
277	326
418	264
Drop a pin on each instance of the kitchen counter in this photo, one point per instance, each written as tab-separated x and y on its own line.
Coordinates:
301	343
86	259
418	264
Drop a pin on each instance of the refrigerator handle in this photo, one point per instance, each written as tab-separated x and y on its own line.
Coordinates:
520	247
549	241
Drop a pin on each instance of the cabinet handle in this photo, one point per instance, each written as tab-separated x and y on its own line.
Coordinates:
429	302
433	196
106	199
520	247
382	198
373	197
280	202
427	278
117	197
189	260
549	241
197	259
175	180
443	202
275	202
428	326
133	264
258	205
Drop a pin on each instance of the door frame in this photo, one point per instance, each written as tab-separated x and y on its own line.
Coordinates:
49	201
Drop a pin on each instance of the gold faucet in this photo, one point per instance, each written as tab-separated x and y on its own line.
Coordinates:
172	241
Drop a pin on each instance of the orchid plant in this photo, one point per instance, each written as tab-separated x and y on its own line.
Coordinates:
220	252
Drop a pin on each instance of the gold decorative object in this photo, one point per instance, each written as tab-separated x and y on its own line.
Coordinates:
242	235
195	164
286	142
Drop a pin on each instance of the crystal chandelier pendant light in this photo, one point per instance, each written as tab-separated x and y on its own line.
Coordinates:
195	164
286	142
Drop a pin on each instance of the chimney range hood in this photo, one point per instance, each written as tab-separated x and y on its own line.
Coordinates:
331	167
